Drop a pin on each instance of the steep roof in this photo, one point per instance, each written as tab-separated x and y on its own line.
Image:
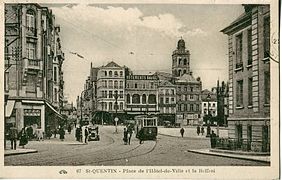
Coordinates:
112	64
164	83
205	93
187	78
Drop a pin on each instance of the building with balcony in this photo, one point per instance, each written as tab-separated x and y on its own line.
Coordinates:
31	55
249	77
209	106
166	101
141	94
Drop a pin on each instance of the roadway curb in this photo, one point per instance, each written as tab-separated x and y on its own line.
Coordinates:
228	155
18	153
185	137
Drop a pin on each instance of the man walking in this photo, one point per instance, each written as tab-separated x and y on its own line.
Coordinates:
182	132
86	135
13	137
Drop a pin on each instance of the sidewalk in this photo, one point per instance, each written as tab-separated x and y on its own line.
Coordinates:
10	152
190	132
261	157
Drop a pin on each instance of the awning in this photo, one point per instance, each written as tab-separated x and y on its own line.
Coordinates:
9	108
32	102
54	110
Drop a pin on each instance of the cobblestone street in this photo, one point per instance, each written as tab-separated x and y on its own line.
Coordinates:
110	150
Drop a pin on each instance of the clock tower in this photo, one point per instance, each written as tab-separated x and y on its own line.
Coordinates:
180	60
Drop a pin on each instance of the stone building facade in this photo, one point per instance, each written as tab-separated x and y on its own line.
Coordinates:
209	105
33	67
249	77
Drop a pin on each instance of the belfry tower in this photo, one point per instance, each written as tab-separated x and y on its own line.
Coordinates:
180	60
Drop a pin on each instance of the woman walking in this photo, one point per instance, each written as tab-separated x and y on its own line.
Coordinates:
23	138
125	136
62	133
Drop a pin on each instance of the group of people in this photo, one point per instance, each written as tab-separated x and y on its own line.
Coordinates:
127	134
82	134
23	136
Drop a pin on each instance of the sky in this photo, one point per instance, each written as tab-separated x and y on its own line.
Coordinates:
143	37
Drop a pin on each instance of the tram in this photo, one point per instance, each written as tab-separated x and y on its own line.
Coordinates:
146	127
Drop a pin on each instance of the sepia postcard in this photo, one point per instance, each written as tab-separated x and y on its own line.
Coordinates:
140	89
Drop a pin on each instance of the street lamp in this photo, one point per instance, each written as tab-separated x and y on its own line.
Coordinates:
116	95
208	116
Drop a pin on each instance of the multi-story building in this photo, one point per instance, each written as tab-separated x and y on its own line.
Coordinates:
141	94
209	106
31	55
111	88
249	77
166	101
188	89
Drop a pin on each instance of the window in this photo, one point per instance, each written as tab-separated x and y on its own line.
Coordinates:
110	84
213	104
110	73
166	110
172	92
178	97
136	85
144	99
182	107
121	105
239	94
191	107
106	94
185	61
197	107
31	83
128	98
136	99
116	84
30	20
179	61
186	97
167	100
250	57
172	100
179	72
121	94
55	95
121	84
106	84
184	72
116	73
205	104
55	74
110	94
197	97
110	106
239	63
250	91
152	99
266	36
152	85
144	86
106	73
161	100
178	107
185	89
31	51
167	92
191	89
121	73
185	107
267	87
191	96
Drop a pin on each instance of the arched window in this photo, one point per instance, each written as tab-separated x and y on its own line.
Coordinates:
128	98
179	72
179	61
116	73
30	20
116	84
110	73
152	99
144	99
185	61
121	73
136	99
184	72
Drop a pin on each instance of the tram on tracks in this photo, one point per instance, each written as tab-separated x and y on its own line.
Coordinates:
146	127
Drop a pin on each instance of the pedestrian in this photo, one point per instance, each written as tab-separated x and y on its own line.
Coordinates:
141	135
55	132
69	129
75	124
213	139
198	130
39	134
130	131
13	137
125	135
23	137
182	132
202	130
77	133
62	133
86	135
29	132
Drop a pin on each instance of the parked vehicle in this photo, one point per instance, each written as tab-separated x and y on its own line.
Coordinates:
93	133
